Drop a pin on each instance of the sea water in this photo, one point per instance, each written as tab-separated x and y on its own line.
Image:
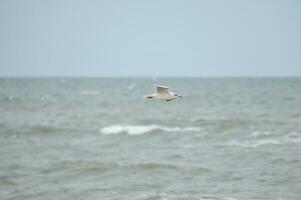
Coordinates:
97	138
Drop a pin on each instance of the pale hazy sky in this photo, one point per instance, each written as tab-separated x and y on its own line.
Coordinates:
150	38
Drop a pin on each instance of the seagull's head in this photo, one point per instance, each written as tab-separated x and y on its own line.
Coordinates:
176	95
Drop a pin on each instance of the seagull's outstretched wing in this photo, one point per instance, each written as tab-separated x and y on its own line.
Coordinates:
160	89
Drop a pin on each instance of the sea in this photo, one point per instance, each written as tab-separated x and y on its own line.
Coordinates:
98	139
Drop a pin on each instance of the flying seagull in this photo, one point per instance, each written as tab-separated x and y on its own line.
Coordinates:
162	93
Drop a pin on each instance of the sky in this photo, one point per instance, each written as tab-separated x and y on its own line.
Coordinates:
150	38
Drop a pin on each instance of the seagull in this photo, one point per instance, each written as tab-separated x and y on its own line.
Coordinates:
162	93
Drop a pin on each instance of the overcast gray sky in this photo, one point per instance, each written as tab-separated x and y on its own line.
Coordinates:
150	38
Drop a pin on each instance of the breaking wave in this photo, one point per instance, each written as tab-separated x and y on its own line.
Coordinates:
142	129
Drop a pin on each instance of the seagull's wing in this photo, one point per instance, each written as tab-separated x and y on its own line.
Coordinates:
160	89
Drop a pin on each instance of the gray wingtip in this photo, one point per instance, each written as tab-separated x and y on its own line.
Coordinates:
161	86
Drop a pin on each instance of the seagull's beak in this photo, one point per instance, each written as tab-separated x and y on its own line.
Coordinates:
180	96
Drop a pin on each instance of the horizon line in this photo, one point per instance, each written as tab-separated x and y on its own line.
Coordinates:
77	76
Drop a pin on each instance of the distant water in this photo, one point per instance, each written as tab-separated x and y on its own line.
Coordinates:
97	138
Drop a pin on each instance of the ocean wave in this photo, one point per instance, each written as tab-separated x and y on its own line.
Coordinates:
172	195
10	98
220	124
29	128
101	167
253	144
142	129
89	92
46	128
261	133
40	129
263	142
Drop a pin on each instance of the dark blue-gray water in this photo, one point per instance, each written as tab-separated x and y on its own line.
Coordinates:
97	138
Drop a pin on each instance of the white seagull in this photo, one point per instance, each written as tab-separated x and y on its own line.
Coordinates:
162	93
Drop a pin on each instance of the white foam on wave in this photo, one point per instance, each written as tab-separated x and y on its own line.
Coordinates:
142	129
263	142
132	86
260	133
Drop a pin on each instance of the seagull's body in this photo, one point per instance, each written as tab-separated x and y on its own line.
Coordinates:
162	93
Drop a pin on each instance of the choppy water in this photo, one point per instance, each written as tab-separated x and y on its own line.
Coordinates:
97	138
